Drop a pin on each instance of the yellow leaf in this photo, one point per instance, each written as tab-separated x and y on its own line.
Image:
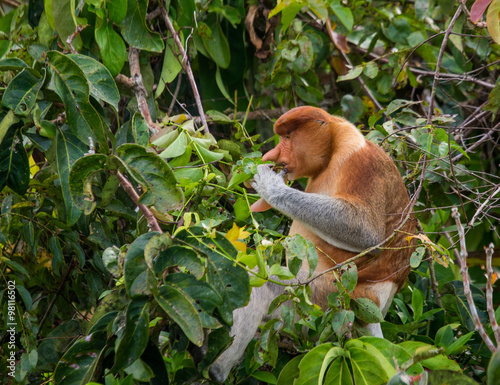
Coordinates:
492	20
233	234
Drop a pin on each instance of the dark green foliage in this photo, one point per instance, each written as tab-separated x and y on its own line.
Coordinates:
98	297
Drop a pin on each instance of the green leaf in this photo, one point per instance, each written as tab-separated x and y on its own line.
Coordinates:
229	280
80	364
22	92
457	345
241	209
155	176
416	257
171	64
63	17
352	74
80	180
68	149
343	13
218	47
70	83
266	377
112	47
13	265
417	303
290	372
201	292
492	20
366	310
339	373
101	83
177	147
493	371
438	362
57	254
14	164
297	249
135	30
342	321
13	63
136	335
366	368
140	130
311	365
117	10
182	309
135	269
222	87
349	277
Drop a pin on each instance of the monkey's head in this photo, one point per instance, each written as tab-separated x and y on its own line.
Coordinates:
306	142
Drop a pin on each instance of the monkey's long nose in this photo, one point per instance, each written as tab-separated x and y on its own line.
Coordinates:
272	155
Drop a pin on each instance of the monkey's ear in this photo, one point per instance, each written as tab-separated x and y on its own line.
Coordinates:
260	205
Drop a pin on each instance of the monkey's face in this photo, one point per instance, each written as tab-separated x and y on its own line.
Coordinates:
283	155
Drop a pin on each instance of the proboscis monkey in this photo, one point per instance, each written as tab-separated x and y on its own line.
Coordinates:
355	199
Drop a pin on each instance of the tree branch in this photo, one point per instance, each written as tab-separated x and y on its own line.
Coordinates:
462	258
138	87
489	293
129	189
187	67
438	64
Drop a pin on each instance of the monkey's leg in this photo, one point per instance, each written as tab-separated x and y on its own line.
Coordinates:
246	321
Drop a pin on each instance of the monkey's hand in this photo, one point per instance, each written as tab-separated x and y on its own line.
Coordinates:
269	185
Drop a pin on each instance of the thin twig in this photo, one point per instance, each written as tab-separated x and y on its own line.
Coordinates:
489	293
480	209
462	258
69	40
174	96
129	189
438	64
183	59
432	272
58	291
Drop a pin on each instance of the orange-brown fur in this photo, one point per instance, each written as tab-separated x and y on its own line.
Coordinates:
330	155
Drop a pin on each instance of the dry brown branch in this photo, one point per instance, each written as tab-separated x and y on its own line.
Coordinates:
489	293
129	189
183	59
462	258
139	89
69	40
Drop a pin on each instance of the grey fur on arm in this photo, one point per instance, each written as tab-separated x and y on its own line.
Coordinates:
328	217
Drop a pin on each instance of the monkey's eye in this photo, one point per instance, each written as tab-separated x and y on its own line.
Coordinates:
287	136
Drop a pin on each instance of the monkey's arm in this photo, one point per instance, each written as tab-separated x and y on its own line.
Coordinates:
341	223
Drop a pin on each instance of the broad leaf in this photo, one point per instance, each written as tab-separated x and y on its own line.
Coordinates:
182	309
14	164
135	30
101	83
64	20
218	47
136	335
80	181
228	279
81	362
155	176
112	47
135	269
70	83
68	149
22	92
